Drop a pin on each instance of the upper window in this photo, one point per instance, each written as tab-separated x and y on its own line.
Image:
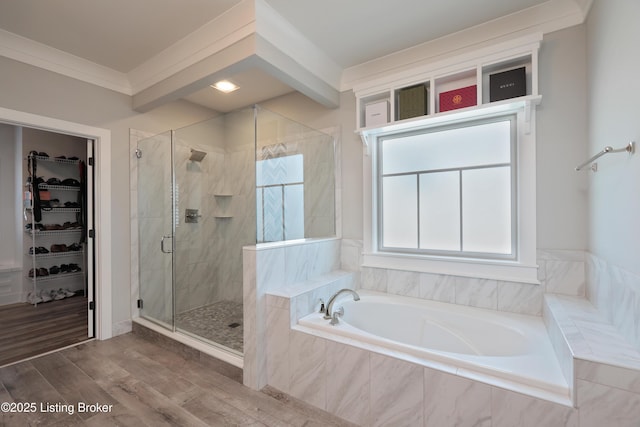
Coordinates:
449	190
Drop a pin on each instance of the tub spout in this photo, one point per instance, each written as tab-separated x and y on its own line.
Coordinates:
328	313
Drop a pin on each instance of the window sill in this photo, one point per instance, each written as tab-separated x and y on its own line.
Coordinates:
510	271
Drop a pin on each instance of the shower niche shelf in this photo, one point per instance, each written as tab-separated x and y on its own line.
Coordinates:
223	202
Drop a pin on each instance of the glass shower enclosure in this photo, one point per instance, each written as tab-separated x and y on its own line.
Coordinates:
207	190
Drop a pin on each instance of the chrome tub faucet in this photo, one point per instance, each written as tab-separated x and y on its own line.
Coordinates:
329	314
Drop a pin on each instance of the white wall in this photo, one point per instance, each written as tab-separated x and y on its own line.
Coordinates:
561	143
613	35
9	254
33	90
561	135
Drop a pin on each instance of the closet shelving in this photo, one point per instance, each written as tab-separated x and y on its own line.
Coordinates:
55	241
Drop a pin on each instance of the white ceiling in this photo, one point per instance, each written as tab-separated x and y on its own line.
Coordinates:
124	34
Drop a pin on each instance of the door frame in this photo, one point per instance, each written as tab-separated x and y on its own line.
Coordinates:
102	193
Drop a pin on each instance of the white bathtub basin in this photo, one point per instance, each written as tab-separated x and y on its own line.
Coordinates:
504	349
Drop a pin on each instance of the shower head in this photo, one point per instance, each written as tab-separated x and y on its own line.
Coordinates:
196	155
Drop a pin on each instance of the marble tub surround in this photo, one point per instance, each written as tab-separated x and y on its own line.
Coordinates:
284	306
364	386
616	294
562	271
603	367
268	267
559	272
303	298
523	298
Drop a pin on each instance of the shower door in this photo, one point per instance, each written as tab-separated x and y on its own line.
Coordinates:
156	198
196	212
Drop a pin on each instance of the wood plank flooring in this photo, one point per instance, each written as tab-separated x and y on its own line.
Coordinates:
141	383
29	330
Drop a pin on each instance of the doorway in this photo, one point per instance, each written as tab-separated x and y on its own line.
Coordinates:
49	302
100	270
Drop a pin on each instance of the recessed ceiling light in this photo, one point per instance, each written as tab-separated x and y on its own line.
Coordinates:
225	86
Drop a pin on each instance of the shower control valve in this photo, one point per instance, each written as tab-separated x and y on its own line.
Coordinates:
191	216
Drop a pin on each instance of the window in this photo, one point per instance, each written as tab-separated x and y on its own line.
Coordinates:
449	190
280	198
454	194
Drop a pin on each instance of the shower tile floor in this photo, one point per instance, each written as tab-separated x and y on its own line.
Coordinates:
220	322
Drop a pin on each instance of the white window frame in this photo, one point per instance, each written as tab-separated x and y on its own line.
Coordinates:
523	267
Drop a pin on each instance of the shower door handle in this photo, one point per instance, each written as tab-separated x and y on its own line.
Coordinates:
162	244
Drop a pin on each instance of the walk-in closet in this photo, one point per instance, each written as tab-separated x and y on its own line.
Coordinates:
46	255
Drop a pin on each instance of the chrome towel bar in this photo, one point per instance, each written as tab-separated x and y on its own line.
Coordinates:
630	148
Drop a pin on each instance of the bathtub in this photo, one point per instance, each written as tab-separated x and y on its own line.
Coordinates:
504	349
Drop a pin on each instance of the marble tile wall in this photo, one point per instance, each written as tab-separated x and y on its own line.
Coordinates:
369	388
373	389
269	267
560	272
616	293
603	367
381	390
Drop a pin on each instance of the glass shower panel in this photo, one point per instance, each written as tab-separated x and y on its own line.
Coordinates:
214	169
295	180
155	198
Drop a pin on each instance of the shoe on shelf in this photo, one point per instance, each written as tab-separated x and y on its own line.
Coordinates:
54	269
59	248
54	181
45	296
33	298
57	295
74	268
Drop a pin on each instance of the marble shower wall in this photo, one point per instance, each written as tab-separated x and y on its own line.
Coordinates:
209	253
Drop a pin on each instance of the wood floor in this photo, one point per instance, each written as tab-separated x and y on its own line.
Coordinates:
29	330
140	383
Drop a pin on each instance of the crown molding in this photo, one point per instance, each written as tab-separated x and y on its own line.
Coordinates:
156	79
550	16
40	55
256	17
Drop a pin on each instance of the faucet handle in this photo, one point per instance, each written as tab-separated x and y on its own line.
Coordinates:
322	309
339	312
